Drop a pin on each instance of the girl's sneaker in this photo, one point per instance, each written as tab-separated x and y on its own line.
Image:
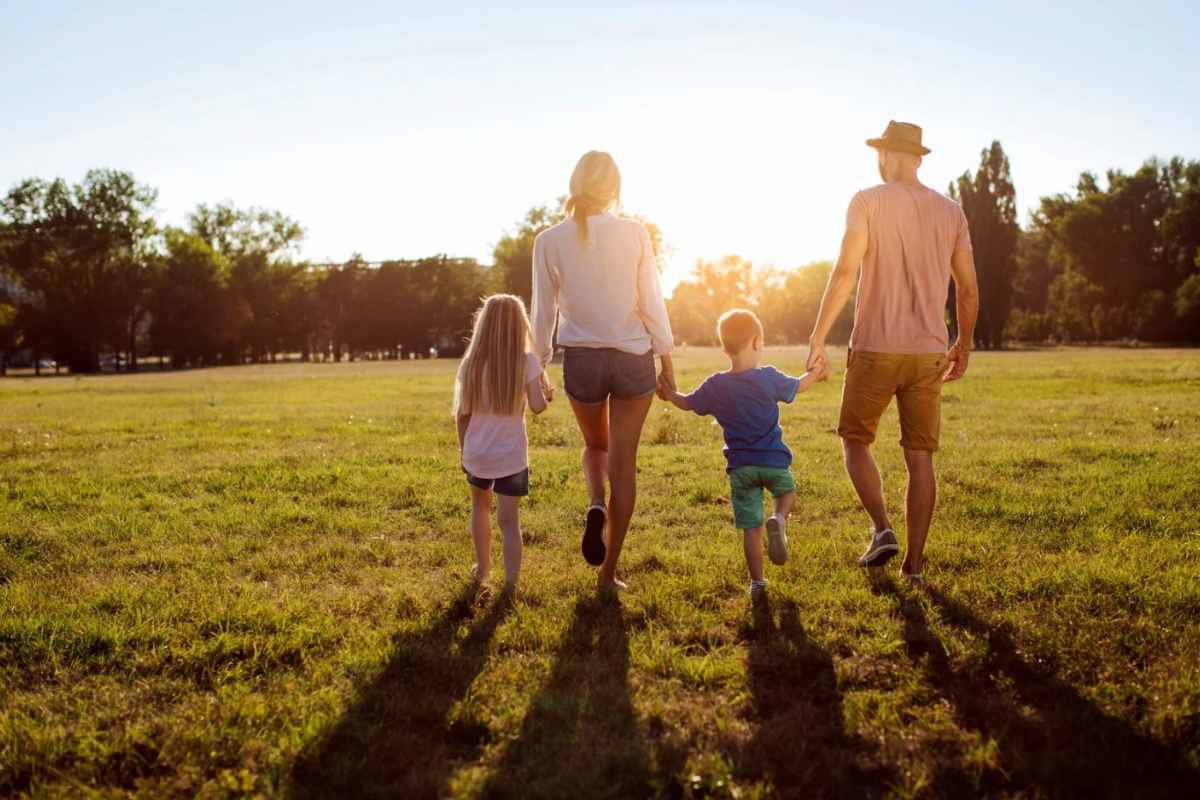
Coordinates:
593	536
777	539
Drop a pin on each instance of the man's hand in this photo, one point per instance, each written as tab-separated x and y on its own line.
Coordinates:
818	359
957	359
547	387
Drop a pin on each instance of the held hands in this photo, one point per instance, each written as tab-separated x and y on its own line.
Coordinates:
818	360
547	387
957	359
665	385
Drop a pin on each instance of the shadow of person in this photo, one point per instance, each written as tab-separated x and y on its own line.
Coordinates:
800	744
580	736
1052	740
398	739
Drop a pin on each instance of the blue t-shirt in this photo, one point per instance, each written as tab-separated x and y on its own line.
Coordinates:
746	407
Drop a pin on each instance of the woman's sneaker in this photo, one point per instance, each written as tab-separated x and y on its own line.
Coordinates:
881	549
758	589
593	536
777	539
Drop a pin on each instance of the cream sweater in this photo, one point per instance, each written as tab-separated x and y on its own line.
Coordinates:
603	292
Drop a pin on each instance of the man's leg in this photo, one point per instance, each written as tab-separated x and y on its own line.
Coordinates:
922	496
860	466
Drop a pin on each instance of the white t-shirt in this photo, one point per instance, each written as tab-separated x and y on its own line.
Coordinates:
496	445
603	292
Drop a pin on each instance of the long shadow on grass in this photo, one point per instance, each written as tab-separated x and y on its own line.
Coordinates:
801	745
1052	740
398	739
580	736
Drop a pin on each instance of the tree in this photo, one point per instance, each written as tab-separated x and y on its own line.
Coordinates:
989	202
192	309
84	255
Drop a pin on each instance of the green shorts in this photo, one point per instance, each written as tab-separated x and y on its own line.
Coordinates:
746	492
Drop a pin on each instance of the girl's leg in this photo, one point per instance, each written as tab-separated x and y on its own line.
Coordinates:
752	545
624	435
593	424
481	531
508	517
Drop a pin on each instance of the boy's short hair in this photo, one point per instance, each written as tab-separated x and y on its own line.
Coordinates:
736	329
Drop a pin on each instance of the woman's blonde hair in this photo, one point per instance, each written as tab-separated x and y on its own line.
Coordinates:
491	377
595	188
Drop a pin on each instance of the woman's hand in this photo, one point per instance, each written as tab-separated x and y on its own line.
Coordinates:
666	378
547	387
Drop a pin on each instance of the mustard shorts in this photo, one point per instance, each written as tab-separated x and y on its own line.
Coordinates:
914	379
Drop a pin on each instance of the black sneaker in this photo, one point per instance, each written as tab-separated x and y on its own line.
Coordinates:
593	536
881	549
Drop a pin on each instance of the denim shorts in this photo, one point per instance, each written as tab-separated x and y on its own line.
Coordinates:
515	485
591	374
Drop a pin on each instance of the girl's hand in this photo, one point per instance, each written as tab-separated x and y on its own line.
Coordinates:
547	387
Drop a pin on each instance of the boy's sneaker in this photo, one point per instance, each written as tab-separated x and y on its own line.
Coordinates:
593	536
777	539
881	549
758	589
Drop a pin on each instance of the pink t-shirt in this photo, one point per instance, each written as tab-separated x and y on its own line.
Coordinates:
911	233
496	445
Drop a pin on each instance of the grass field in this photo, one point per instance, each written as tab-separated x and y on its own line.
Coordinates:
252	581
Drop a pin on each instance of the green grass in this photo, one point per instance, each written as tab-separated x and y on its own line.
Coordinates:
252	581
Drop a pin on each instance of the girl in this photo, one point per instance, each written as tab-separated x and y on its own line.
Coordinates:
497	377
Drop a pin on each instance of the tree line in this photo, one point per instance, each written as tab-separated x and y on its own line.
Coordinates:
88	275
1113	259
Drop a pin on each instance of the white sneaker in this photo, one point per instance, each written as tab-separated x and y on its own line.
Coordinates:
777	539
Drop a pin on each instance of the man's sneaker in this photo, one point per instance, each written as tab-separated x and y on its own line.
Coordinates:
883	546
593	536
777	539
758	589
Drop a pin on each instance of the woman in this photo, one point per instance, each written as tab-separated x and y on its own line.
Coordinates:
595	275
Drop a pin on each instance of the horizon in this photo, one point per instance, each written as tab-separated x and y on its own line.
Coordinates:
400	133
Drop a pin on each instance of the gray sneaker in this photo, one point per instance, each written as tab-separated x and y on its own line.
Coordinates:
883	546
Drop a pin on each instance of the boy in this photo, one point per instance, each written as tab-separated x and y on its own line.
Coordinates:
744	400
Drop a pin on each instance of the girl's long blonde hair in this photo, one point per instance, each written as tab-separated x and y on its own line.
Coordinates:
491	377
595	188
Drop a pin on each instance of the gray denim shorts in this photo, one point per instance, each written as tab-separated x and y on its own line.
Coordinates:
591	374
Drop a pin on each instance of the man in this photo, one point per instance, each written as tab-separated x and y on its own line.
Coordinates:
905	241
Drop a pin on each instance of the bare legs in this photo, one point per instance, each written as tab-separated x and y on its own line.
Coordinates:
922	496
920	499
860	466
752	538
508	518
611	434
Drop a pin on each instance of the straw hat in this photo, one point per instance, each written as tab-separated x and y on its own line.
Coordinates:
901	136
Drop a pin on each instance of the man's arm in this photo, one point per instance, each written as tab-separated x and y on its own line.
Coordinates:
966	297
837	292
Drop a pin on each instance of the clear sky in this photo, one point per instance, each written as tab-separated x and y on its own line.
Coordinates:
402	130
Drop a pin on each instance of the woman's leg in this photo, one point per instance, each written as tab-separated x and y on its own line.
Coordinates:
508	517
481	530
593	424
626	418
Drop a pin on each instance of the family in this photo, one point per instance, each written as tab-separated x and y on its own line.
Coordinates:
595	281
